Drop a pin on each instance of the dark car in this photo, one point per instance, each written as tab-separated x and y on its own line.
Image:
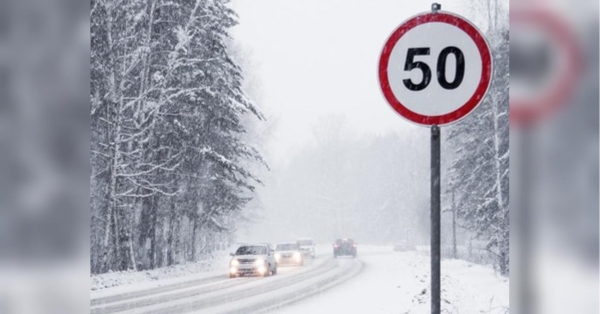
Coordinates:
344	247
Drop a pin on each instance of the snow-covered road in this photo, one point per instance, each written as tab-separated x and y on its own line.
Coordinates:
217	293
378	281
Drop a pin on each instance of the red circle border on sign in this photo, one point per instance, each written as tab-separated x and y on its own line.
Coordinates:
525	113
474	100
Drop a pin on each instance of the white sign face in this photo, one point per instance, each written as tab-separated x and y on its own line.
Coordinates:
435	68
462	69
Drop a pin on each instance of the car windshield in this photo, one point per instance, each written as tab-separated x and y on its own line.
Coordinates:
305	242
287	247
251	250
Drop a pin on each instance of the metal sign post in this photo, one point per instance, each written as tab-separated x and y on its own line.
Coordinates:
435	219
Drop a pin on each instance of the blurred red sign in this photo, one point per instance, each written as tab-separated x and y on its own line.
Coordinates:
544	64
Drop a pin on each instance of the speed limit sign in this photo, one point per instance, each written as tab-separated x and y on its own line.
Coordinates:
435	68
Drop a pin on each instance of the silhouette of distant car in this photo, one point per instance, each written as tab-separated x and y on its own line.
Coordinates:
307	247
344	247
403	246
289	254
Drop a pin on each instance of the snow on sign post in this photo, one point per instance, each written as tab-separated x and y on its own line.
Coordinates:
434	69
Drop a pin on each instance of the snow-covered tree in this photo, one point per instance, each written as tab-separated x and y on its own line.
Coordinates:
167	110
479	170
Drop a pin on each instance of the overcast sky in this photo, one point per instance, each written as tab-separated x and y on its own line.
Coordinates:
314	58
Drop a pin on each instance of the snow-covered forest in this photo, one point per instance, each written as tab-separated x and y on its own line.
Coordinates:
171	163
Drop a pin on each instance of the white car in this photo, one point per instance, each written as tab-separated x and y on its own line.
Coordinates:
288	254
255	259
307	247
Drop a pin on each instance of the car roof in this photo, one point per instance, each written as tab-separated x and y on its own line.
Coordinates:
287	243
250	244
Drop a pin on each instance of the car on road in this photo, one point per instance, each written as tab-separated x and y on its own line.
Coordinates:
270	246
307	247
403	246
289	254
252	259
344	247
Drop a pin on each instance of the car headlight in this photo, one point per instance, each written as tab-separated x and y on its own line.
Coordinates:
277	256
259	262
235	262
297	256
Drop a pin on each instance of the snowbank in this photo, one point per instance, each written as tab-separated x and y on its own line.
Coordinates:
123	278
398	282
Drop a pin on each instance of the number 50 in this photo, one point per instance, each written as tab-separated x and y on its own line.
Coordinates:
441	68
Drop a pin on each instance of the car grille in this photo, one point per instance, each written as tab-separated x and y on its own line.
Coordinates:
246	260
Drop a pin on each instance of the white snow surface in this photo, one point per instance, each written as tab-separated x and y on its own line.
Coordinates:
161	276
398	282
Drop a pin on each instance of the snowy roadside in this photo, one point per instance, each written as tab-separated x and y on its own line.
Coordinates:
165	275
130	280
398	282
466	288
